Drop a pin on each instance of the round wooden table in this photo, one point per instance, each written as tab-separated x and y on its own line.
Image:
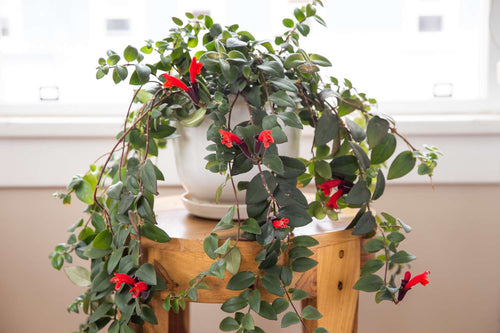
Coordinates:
182	258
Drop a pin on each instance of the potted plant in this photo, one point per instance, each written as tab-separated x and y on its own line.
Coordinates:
196	75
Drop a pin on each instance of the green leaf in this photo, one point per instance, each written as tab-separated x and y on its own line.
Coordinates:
402	257
288	23
380	186
241	281
383	150
267	311
211	243
254	300
224	247
372	266
177	21
235	42
256	192
247	322
374	245
272	284
290	318
103	240
359	194
402	164
311	313
148	315
304	240
272	68
227	221
281	98
218	268
234	304
85	192
154	233
228	324
100	312
303	264
78	275
280	305
320	330
376	131
297	215
195	119
251	226
300	252
365	224
405	226
148	177
326	128
360	154
130	53
115	190
369	283
395	237
294	60
143	72
299	294
304	29
284	83
320	60
323	169
236	56
147	274
273	162
113	59
114	259
358	134
98	222
299	14
293	167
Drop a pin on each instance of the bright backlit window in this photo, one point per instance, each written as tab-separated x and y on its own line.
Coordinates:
394	50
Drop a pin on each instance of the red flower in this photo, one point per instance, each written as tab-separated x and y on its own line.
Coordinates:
266	138
138	288
332	202
281	224
122	278
421	278
171	81
194	69
327	186
228	138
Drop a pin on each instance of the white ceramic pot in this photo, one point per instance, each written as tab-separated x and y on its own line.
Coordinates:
200	183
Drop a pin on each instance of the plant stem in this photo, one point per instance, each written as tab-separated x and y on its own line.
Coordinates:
295	309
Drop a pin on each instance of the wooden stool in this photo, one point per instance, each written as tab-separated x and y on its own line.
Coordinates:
180	260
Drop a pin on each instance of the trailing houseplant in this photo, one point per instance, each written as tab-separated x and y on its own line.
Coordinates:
194	74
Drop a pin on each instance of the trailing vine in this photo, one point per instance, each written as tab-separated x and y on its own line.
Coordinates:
198	72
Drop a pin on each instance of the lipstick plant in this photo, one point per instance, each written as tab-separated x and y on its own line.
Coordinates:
190	76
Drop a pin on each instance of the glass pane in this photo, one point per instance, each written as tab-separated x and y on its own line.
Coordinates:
394	50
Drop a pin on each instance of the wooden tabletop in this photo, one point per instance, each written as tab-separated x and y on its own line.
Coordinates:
178	223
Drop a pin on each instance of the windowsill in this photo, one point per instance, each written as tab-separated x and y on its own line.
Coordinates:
474	124
62	146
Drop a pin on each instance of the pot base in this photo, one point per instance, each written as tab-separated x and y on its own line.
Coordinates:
210	210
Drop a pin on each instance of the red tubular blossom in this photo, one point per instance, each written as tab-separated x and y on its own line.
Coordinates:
194	69
327	186
228	138
407	276
171	81
266	138
138	288
332	202
281	224
119	278
421	278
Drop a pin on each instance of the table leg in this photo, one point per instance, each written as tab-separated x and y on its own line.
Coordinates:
338	271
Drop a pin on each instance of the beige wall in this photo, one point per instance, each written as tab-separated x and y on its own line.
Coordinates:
456	237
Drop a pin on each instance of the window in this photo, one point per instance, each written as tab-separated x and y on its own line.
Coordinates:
430	51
